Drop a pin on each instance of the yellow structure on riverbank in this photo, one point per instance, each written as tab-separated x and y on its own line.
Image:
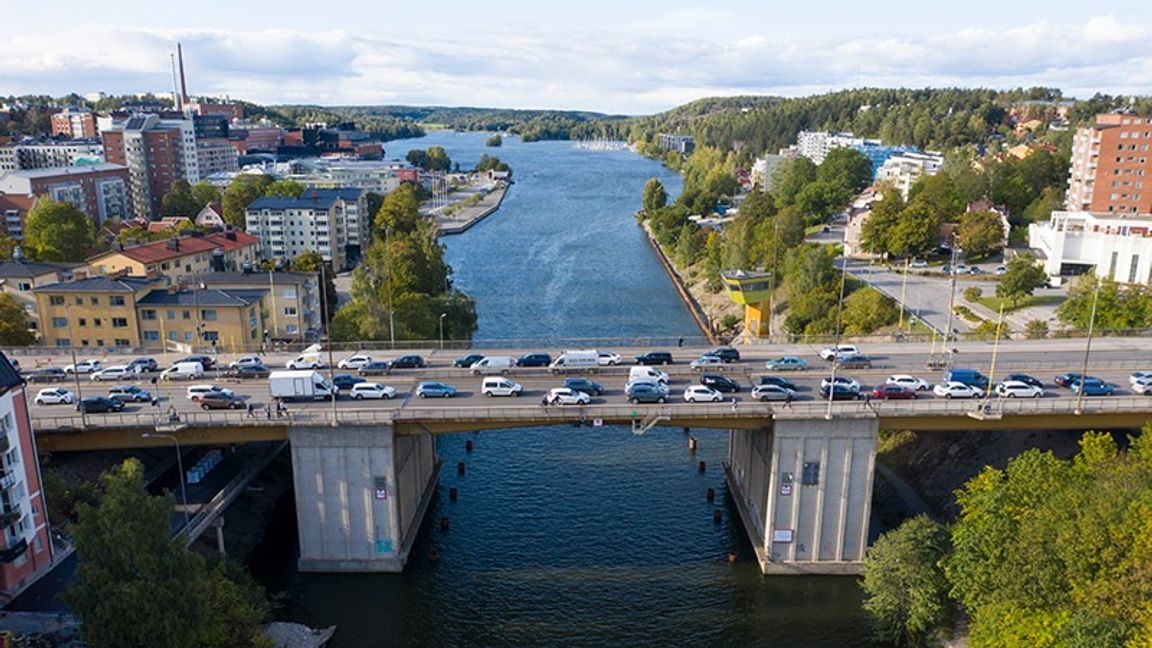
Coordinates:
752	290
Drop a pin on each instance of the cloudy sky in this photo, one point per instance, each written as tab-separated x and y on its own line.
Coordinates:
633	57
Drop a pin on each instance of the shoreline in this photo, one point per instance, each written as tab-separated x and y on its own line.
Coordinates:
471	215
686	295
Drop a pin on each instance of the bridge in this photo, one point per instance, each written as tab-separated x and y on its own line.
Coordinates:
801	473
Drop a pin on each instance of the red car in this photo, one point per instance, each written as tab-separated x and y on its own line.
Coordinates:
893	392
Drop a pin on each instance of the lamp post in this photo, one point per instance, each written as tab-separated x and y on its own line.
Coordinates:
836	344
391	321
75	372
951	301
179	466
1088	346
328	331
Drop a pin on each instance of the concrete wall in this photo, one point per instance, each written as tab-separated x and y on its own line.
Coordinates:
360	495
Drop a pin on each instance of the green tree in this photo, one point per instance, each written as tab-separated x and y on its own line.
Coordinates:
690	245
236	609
876	233
179	201
1036	329
1022	276
867	310
758	206
495	141
245	189
848	168
204	193
980	233
312	261
417	158
973	293
1118	307
13	323
790	179
57	231
916	232
654	195
437	159
906	591
399	213
284	189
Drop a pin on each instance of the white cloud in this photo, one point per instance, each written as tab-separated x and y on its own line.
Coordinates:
584	68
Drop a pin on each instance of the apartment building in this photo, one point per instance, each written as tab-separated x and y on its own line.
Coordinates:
216	157
99	190
1110	165
95	312
157	153
20	278
333	222
683	144
903	170
1116	246
14	210
294	311
46	154
78	123
232	319
182	257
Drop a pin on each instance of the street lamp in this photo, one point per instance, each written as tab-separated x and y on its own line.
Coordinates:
391	322
179	466
836	344
442	316
1088	345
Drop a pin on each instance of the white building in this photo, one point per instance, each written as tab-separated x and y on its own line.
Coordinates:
329	221
48	154
1117	247
216	157
815	145
905	169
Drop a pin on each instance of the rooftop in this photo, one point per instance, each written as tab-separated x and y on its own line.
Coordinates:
9	376
311	198
197	297
257	278
182	246
29	269
101	284
53	172
19	202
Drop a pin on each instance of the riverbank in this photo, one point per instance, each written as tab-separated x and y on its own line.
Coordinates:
707	326
461	220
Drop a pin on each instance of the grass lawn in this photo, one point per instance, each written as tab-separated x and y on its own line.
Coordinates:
994	302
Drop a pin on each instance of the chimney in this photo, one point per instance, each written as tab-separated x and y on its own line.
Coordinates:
173	289
183	87
152	275
79	275
173	244
231	236
118	274
315	195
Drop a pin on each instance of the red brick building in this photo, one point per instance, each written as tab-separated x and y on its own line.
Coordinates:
157	153
1112	166
75	124
99	190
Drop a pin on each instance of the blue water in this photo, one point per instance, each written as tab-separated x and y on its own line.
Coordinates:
566	536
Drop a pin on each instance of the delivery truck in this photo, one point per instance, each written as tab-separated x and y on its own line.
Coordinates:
300	385
587	360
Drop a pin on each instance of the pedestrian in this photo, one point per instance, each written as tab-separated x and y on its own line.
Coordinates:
788	400
280	409
251	409
680	342
734	401
156	402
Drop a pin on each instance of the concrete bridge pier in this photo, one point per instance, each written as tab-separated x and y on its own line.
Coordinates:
361	493
804	491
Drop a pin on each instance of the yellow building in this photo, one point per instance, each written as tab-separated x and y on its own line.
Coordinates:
94	312
232	320
181	258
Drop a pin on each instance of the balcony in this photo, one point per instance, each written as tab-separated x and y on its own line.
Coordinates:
15	551
10	515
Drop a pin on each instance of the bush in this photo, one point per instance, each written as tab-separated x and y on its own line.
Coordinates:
1036	329
972	293
730	321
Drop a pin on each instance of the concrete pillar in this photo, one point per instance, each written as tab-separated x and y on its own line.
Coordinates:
361	493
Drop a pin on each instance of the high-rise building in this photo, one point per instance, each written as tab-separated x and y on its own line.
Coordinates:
77	123
157	152
50	153
1110	165
99	190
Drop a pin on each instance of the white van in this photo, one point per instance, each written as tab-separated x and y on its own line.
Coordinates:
646	373
497	386
304	361
576	361
183	371
493	365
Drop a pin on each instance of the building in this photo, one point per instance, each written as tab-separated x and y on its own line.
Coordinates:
157	152
26	550
255	138
75	123
14	209
20	278
815	145
94	312
1115	246
763	168
216	156
227	319
904	169
182	257
375	176
230	111
1110	164
294	311
99	190
328	221
683	144
211	216
986	204
45	154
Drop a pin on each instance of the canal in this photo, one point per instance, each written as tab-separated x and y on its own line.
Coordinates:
567	536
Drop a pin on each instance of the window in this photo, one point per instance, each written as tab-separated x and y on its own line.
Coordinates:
187	314
151	336
119	322
97	322
79	301
59	322
811	473
208	315
173	336
1112	266
56	300
163	266
148	314
212	336
63	343
116	300
95	301
1132	268
290	311
171	314
100	342
25	286
121	342
187	336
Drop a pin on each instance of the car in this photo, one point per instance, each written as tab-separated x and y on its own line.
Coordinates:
1001	270
702	394
955	389
205	361
1024	378
583	384
726	353
566	396
961	268
918	263
975	270
346	381
946	269
706	361
1066	379
468	360
773	393
646	392
143	365
409	362
129	393
100	404
534	360
433	389
848	383
354	361
1140	376
48	374
1092	387
220	400
786	363
893	392
911	382
500	386
607	358
654	358
246	361
839	392
372	390
1143	387
249	371
778	381
720	383
196	392
84	367
854	361
1017	389
55	396
839	350
376	368
117	372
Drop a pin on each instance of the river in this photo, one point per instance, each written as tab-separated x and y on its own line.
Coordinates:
569	536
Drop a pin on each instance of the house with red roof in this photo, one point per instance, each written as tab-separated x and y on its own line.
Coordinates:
181	257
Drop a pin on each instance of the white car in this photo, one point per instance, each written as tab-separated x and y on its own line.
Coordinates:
84	366
911	382
705	361
1143	387
845	381
702	394
839	351
355	361
772	393
196	391
55	396
372	390
1140	376
918	263
608	358
118	372
246	361
1017	389
565	396
957	390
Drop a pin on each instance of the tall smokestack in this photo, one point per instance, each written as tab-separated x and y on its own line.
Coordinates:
183	87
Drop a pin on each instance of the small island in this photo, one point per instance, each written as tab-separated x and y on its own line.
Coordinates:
495	140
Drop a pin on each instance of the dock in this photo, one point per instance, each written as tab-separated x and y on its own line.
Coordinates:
465	218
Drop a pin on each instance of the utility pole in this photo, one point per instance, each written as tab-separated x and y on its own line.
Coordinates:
951	302
836	344
1088	346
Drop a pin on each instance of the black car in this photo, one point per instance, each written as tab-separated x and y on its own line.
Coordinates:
778	381
100	404
205	361
376	368
727	354
534	360
583	384
47	375
143	365
720	383
346	381
249	371
220	400
855	361
468	360
1026	379
654	358
840	392
408	362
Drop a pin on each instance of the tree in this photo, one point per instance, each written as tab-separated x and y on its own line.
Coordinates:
916	232
973	293
179	201
399	213
1036	329
866	310
495	141
57	231
236	610
1117	308
204	193
654	195
417	158
904	584
285	189
790	178
876	233
311	261
242	192
1021	277
437	159
980	233
848	168
13	324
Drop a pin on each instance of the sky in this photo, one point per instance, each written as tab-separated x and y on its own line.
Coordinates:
625	57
